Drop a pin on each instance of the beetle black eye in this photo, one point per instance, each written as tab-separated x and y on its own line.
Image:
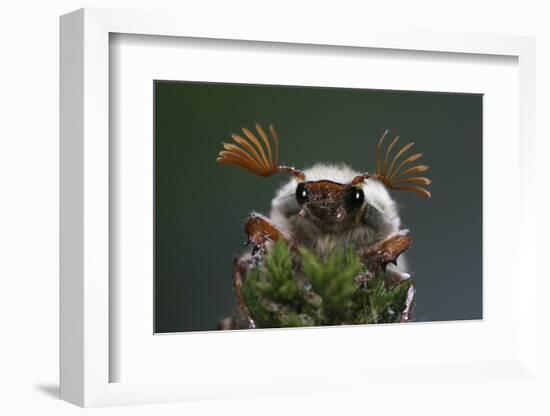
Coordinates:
354	199
302	194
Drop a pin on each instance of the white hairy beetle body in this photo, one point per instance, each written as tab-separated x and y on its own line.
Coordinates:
380	220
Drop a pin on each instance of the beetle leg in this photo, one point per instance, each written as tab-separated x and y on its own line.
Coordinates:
240	269
260	231
406	315
379	254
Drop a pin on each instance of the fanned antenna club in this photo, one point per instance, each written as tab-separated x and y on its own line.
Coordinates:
400	176
248	153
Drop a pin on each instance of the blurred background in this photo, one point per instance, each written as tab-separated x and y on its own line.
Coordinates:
200	206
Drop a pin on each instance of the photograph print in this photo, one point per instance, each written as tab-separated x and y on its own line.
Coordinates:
291	206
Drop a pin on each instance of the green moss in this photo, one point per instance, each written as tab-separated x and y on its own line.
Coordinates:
293	289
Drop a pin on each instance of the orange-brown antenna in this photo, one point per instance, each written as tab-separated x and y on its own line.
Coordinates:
249	154
397	176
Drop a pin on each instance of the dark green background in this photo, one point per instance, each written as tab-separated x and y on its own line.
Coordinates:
200	206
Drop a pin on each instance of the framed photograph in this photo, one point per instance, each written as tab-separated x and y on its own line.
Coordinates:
270	213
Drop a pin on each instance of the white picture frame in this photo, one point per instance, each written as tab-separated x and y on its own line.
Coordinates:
86	355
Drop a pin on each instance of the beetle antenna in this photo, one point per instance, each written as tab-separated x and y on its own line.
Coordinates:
249	154
398	176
